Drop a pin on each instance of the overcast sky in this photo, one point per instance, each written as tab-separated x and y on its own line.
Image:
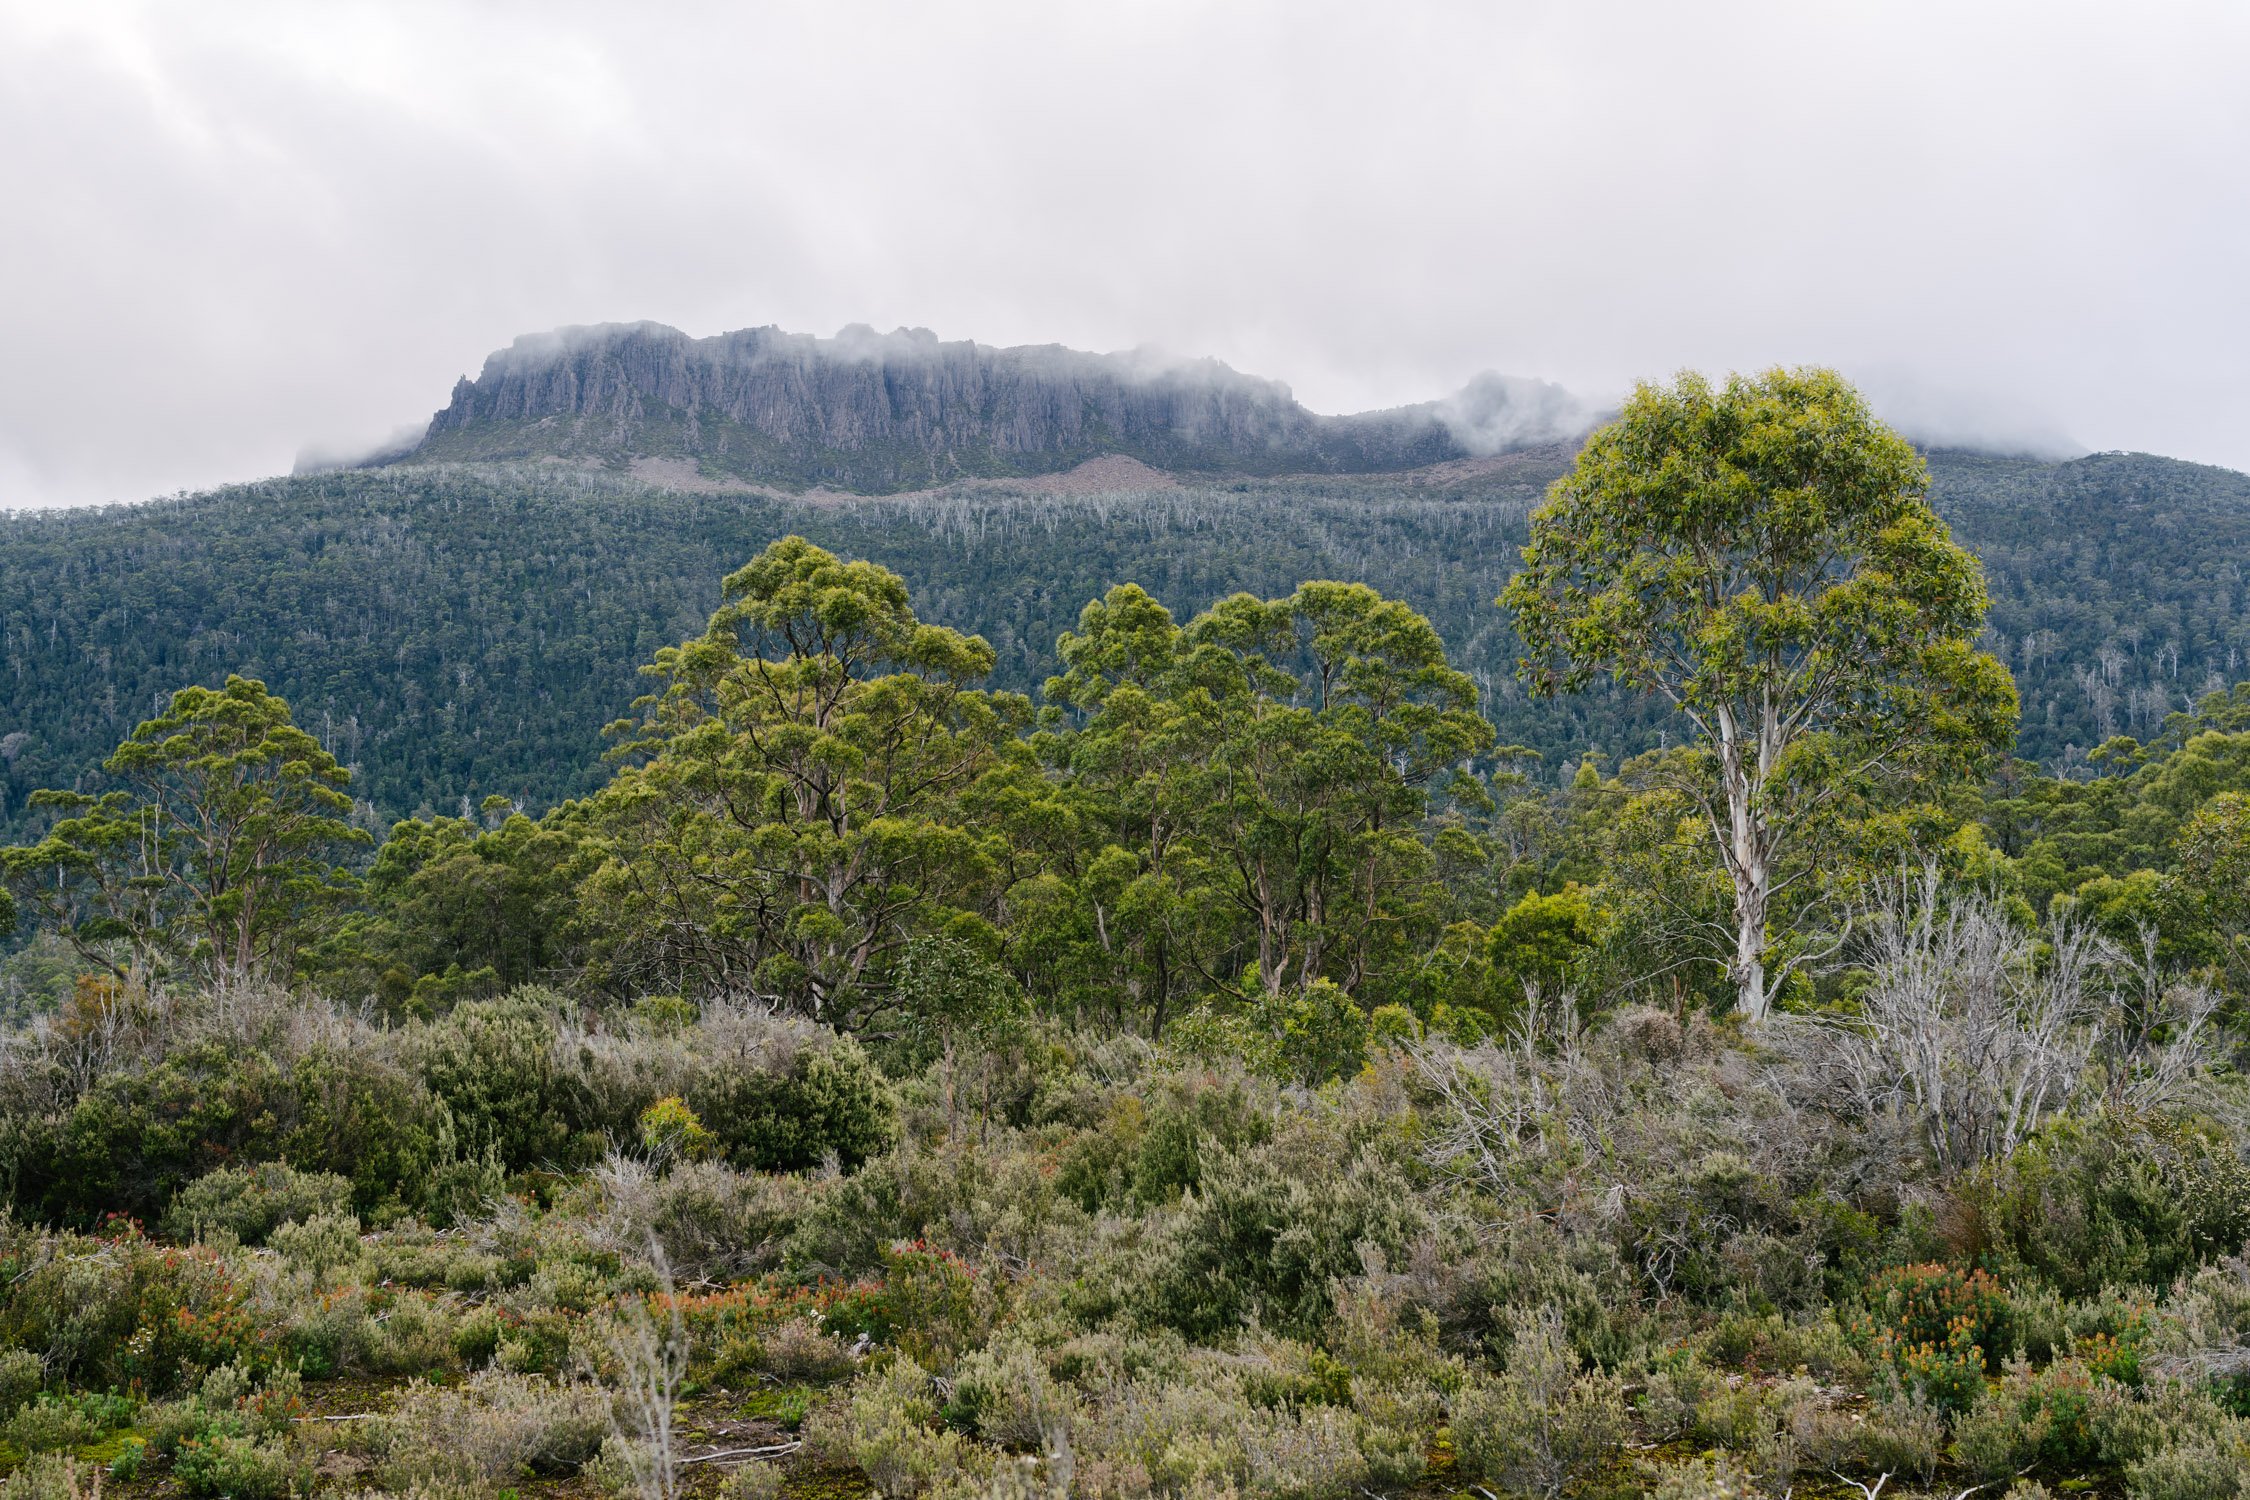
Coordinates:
236	230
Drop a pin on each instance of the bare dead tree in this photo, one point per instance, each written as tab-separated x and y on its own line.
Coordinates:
1965	1025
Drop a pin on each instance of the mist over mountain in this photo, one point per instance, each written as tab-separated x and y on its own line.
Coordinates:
878	413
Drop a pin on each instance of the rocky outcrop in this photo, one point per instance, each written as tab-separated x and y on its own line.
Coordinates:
877	413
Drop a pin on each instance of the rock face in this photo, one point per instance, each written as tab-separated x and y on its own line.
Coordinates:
878	413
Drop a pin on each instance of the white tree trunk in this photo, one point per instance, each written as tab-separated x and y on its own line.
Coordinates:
1748	970
1748	846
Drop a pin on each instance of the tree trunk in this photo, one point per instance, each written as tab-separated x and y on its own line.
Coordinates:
1748	846
1748	970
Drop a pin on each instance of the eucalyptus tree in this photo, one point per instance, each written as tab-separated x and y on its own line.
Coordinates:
1760	555
214	852
789	816
1263	780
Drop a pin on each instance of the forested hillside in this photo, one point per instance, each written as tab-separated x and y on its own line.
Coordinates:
461	632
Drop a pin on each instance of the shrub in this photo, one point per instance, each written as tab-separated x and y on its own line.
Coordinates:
710	1221
1715	1478
63	1423
250	1203
1004	1394
52	1476
2204	1466
2033	1418
671	1132
112	1311
1312	1035
1271	1232
494	1426
1542	1426
362	1114
238	1468
752	1482
492	1062
1153	1142
1903	1435
2094	1203
22	1374
1195	1422
935	1303
1936	1327
138	1135
320	1245
889	1428
828	1101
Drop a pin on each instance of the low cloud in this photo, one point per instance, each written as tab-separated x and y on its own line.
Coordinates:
1495	413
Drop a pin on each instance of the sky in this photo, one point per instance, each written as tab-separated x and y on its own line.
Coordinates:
237	231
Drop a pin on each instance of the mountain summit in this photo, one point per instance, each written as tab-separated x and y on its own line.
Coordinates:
882	412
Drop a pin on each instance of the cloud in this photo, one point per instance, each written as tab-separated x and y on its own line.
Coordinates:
241	229
1494	413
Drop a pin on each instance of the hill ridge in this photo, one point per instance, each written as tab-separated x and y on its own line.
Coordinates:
880	413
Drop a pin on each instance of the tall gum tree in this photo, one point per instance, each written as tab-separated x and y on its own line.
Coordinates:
213	852
790	816
1761	555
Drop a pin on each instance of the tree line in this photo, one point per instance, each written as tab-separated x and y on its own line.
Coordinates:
1283	812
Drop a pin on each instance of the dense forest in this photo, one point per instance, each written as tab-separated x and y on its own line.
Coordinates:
1212	1051
458	633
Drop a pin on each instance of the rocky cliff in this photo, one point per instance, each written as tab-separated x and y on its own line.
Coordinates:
878	413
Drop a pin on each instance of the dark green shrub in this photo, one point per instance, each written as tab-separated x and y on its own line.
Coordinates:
131	1142
2089	1203
493	1064
366	1117
1271	1230
1153	1143
829	1099
477	1338
135	1138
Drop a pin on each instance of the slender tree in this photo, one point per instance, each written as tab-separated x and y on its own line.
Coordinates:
1761	555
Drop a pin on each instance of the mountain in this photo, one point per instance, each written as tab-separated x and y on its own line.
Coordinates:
880	413
456	630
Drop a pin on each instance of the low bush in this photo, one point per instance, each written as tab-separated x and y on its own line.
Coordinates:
22	1375
117	1310
889	1427
708	1220
1937	1328
64	1423
250	1203
53	1476
224	1466
1271	1230
321	1246
494	1426
2100	1202
1541	1426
